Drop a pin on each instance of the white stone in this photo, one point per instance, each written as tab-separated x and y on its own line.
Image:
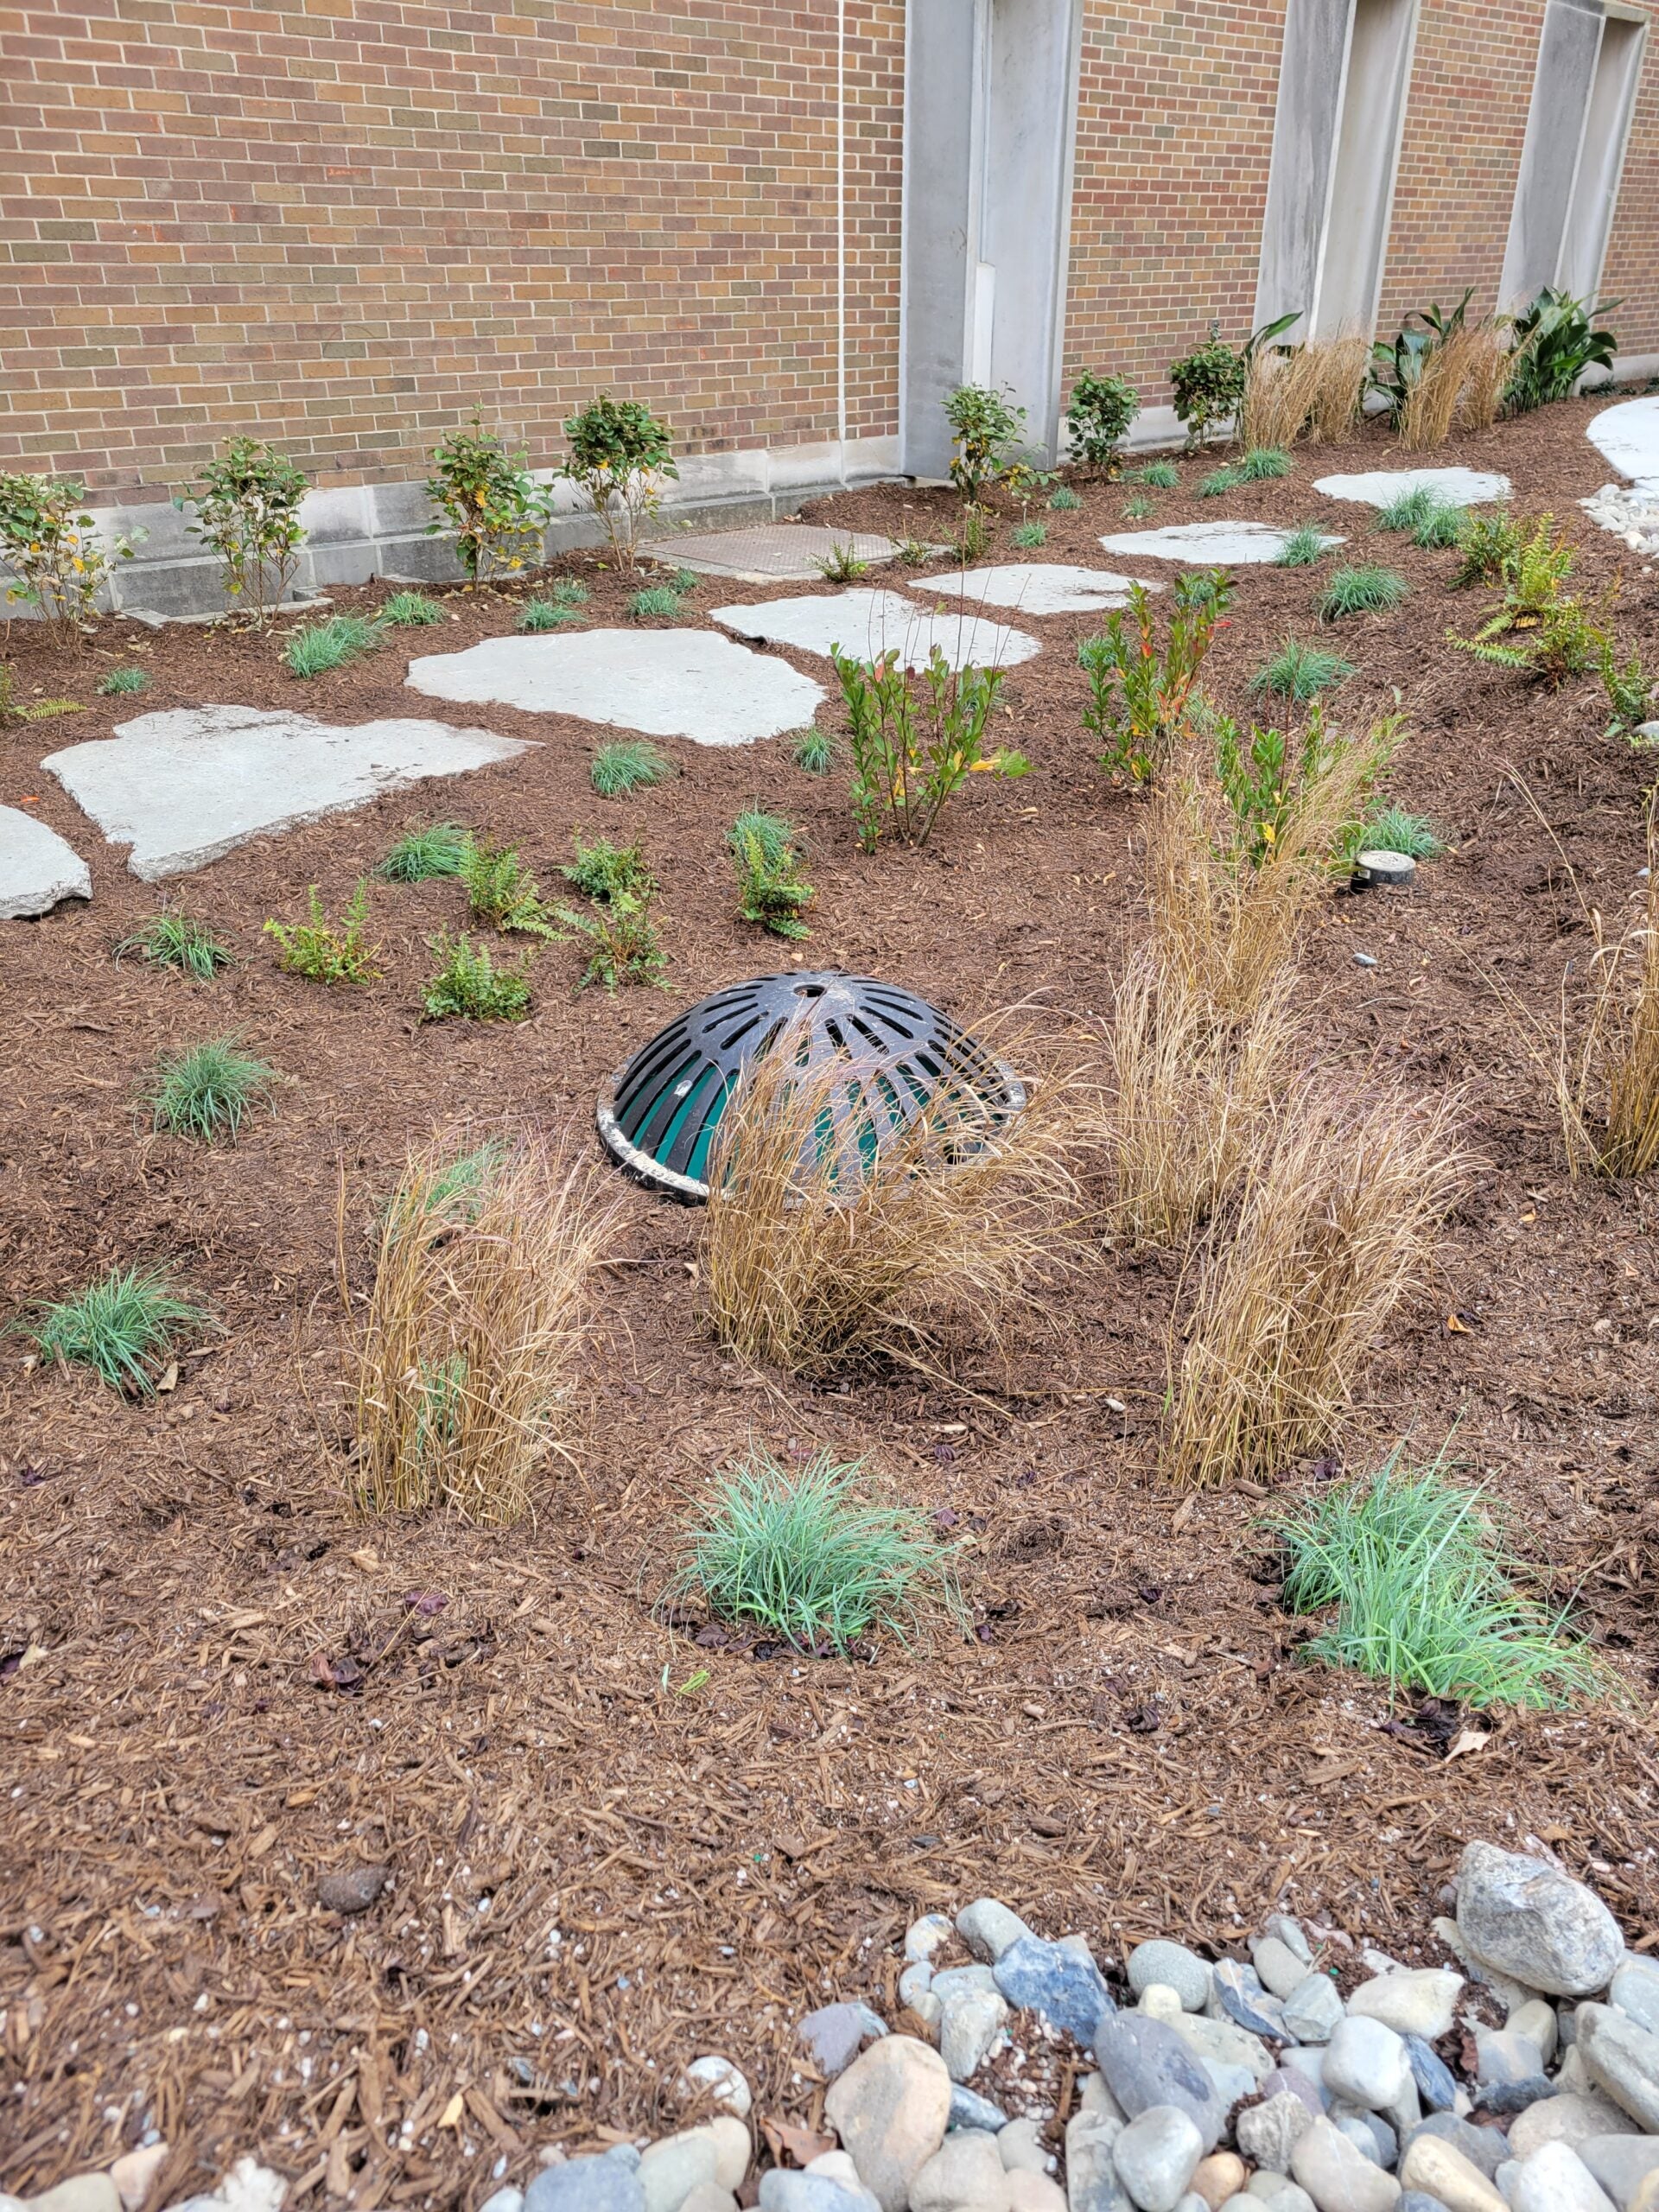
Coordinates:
1440	2170
867	625
1020	2146
1377	488
1280	1970
988	1928
724	2081
1556	2179
1206	544
1339	2177
924	1937
1367	2063
1029	2192
662	682
964	2175
1564	2118
1635	1991
670	2170
970	2025
189	785
733	2150
889	2109
1172	1964
37	867
1035	587
1628	437
1536	2021
1622	2164
1155	2157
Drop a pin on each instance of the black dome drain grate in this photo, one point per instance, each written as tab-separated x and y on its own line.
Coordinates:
900	1055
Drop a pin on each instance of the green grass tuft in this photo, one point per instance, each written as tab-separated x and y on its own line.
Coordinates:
411	610
1300	671
538	614
632	763
770	888
1026	536
1365	590
1262	465
805	1556
1443	530
656	603
1063	500
604	870
1419	1580
120	681
1220	481
1302	548
469	986
1137	507
568	592
814	750
1160	475
685	580
1391	829
1433	520
177	941
421	855
324	646
207	1091
120	1327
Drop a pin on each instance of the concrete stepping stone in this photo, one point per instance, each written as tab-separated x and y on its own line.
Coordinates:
1376	487
37	867
186	786
771	553
1628	437
1206	544
1034	587
869	624
662	682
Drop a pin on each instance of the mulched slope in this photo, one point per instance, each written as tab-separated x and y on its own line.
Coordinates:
614	1847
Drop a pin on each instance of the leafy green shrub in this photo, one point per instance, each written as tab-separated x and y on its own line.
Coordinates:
1139	695
1063	500
488	500
1299	671
1556	343
631	763
1366	589
916	552
913	744
603	870
469	987
658	603
1537	627
1490	546
814	750
621	456
207	1091
1208	384
804	1555
411	610
500	890
421	855
1418	1582
1302	548
177	941
1391	829
120	680
973	538
1157	475
58	561
770	888
1026	536
1098	419
121	1327
1629	691
539	614
324	646
627	949
842	564
322	953
985	430
1273	784
247	509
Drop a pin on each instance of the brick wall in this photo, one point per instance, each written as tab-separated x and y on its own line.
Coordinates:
342	223
1631	272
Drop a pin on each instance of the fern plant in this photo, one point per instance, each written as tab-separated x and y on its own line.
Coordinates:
325	953
1489	545
626	947
604	870
469	986
501	890
770	888
1537	627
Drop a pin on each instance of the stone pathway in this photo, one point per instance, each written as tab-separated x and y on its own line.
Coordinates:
37	867
661	683
1035	589
769	554
1376	487
870	623
1206	544
1628	437
184	787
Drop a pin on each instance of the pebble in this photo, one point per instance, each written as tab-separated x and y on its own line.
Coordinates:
1506	2097
1270	2131
1362	2138
1095	2097
1156	2155
837	2033
592	2185
1312	2009
1620	2162
1020	2146
1053	1979
970	2025
1293	2081
733	2150
709	2197
722	2079
890	2108
1366	2064
969	2109
134	2175
1622	2059
1276	2189
924	1937
914	1984
1364	960
1421	2001
956	1981
1172	1964
1339	2177
1291	1933
989	1929
1556	2179
351	1889
1034	2193
1433	2077
783	2191
1502	2056
1236	1994
1537	2021
1091	2183
505	2199
1280	1970
670	2168
1635	1991
1569	2120
1218	2178
964	2175
1483	2147
80	2193
1532	1922
1222	2044
1146	2063
1438	2170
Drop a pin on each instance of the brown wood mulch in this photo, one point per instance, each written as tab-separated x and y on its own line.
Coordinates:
611	1848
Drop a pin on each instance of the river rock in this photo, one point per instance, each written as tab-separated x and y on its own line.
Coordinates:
1485	2147
1312	2009
1440	2171
969	2109
1155	2157
1620	2162
1053	1979
1030	2192
1237	1995
783	2191
1218	2178
1091	2183
590	2184
1339	2177
1020	2146
837	2033
1366	2064
1528	1920
80	2193
1536	2021
1146	2062
1219	2044
1279	1967
351	1889
134	2174
709	2197
915	1988
963	2175
1622	2059
722	2080
1635	1991
1569	2120
1555	2179
670	2168
924	1937
956	1981
1270	2131
1418	2001
890	2109
989	1929
970	2025
1181	1970
1273	2189
1435	2084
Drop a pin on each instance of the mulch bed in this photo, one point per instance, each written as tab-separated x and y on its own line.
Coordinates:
613	1848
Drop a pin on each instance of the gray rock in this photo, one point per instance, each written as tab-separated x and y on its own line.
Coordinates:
890	2109
1366	2064
924	1937
1506	2098
1635	1991
1414	2200
1555	2179
969	2024
351	1889
1620	2162
1067	1990
37	867
1095	2098
969	2109
1566	2119
783	2191
1363	2137
1236	1993
1091	2183
1433	2077
1528	1920
1172	1964
1291	1933
1502	2056
602	2185
1339	2177
1279	1967
1485	2147
669	2169
915	1984
1020	2146
1270	2131
1147	2063
1382	2142
1418	2001
1155	2156
837	2033
989	1929
1218	2042
1312	2009
1537	2020
1289	2080
964	2175
1273	2189
956	1981
504	2199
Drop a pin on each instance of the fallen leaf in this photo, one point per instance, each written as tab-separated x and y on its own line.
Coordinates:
169	1380
800	2145
426	1603
1457	1326
1183	1515
450	2116
1467	1739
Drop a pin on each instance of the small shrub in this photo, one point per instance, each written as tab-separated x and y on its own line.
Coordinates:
247	509
1491	546
1299	671
1556	343
207	1091
659	603
1137	507
539	614
120	680
1631	692
411	610
913	743
1302	548
1537	627
814	750
985	431
58	562
322	953
620	457
321	647
121	1327
973	539
1419	1585
1366	589
916	552
626	947
802	1554
467	986
1208	384
1063	500
631	763
842	564
1269	784
770	888
1139	697
1391	829
177	941
1098	419
603	870
500	890
1157	475
1026	536
420	855
488	500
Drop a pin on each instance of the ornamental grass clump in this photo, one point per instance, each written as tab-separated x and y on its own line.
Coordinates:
179	941
539	614
321	647
1156	475
1366	589
1392	830
1416	1578
208	1090
469	1348
810	1555
813	750
422	855
1302	548
656	603
1299	671
630	764
122	1327
120	682
410	610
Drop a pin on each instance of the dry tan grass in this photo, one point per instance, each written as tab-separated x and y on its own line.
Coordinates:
812	1253
1335	1227
1343	364
1492	364
479	1307
1608	1087
1461	386
1313	392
